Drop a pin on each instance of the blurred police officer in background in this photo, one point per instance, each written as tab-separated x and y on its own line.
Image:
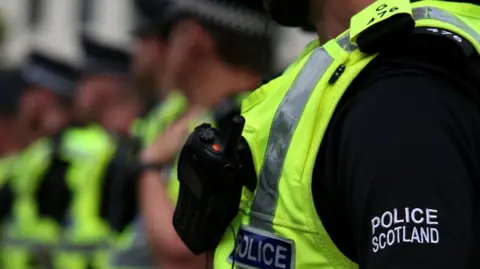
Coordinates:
163	106
11	142
149	50
217	50
11	85
107	107
104	85
47	84
47	96
371	155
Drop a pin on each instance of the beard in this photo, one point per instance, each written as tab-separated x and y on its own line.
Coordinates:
145	85
146	89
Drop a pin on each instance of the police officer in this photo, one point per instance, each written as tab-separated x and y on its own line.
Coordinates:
216	50
47	86
47	94
370	158
149	50
162	107
148	66
103	107
104	83
11	85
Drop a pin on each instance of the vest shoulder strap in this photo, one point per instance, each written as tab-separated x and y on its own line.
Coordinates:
53	195
387	22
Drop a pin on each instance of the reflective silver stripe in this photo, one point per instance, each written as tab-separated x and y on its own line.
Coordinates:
445	16
24	243
133	258
69	247
286	117
137	255
421	13
282	130
345	43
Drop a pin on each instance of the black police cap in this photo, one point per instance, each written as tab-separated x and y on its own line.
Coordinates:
245	16
103	58
149	16
11	86
51	73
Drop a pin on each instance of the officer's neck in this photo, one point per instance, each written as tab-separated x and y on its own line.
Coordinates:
332	17
220	81
10	139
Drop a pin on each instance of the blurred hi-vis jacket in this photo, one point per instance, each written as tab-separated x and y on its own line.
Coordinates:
86	237
132	251
27	237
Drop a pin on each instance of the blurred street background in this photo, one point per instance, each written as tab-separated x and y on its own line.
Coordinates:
95	92
56	23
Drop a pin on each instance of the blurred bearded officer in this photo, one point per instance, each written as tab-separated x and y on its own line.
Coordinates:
48	84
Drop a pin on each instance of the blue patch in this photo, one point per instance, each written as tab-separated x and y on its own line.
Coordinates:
260	249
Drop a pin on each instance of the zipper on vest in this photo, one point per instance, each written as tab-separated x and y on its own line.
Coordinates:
338	72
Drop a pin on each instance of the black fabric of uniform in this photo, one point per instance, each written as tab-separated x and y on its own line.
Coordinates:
119	190
406	134
53	195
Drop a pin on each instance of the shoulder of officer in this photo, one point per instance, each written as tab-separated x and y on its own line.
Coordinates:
88	142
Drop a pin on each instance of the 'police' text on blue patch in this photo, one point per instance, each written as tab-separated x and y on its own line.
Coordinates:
259	249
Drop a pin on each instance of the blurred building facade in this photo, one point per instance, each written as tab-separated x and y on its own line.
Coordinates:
54	25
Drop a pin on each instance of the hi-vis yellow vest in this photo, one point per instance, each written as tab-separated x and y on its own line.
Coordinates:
27	236
132	250
157	120
85	238
278	226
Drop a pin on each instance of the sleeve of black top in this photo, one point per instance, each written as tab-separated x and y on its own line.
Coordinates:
409	148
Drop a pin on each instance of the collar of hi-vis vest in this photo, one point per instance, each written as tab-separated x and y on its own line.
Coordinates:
343	46
309	72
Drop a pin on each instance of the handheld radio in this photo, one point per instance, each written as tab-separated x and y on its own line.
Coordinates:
210	185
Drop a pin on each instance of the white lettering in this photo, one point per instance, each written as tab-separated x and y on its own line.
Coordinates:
431	216
424	236
397	229
280	257
259	249
243	247
446	32
387	219
414	218
268	261
396	219
404	238
394	228
380	241
375	244
250	256
415	236
390	237
407	215
434	236
375	224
